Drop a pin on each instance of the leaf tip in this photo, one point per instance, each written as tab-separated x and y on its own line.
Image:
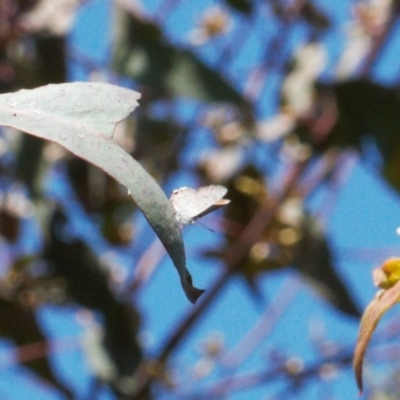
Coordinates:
192	293
358	372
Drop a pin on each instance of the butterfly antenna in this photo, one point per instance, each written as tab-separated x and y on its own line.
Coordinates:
205	226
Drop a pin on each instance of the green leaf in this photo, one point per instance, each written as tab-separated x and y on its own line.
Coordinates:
81	117
144	54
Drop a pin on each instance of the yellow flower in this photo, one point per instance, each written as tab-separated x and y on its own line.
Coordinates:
388	274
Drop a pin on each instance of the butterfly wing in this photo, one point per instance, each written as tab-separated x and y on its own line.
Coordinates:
183	201
190	204
213	198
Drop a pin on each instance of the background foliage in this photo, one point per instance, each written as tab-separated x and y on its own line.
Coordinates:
294	106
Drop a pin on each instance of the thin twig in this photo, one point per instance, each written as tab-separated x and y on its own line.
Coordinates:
34	351
267	322
257	378
379	43
146	266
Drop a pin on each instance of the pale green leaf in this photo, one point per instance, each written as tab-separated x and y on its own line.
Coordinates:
81	117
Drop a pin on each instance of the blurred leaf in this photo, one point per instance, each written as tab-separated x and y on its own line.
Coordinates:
29	159
51	59
48	66
382	302
157	143
73	260
246	192
314	15
369	110
19	324
89	190
108	352
362	111
101	195
10	225
41	62
89	285
121	331
312	256
81	117
243	6
143	53
116	225
246	189
391	166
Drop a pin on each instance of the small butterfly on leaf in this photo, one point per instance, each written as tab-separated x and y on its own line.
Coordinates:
191	204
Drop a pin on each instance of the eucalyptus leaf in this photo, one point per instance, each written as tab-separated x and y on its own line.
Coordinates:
81	117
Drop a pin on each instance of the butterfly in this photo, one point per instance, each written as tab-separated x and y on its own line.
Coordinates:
191	204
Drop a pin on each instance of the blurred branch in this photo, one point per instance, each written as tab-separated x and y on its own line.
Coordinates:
146	267
380	41
266	323
34	351
295	377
